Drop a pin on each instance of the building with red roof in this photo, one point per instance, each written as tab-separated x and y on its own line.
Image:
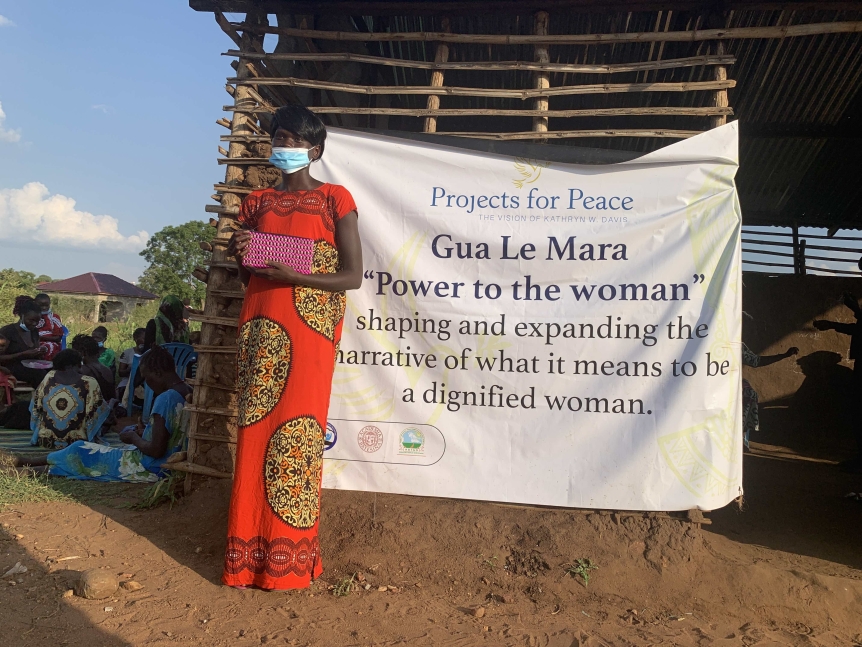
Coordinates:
111	298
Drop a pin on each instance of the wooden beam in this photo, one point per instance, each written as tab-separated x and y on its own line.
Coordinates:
732	33
192	468
484	66
531	134
441	55
579	134
496	7
594	88
682	111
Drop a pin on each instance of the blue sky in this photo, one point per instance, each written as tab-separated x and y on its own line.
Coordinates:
111	105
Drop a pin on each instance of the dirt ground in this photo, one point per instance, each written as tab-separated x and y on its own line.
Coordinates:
786	570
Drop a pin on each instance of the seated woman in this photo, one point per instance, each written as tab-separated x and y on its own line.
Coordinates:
168	325
127	359
50	328
4	343
7	381
90	351
148	448
107	357
22	343
67	406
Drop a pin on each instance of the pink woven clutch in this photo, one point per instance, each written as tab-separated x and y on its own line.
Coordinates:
288	250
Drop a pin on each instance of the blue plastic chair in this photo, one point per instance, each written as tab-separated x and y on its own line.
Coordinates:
63	338
130	388
183	354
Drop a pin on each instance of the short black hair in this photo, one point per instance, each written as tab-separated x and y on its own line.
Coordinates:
68	358
138	332
42	295
26	306
302	122
86	345
158	361
102	330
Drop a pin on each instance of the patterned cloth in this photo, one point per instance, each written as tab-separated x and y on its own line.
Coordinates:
63	413
750	415
286	358
50	325
100	462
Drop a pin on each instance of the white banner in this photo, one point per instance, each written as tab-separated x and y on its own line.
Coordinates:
540	332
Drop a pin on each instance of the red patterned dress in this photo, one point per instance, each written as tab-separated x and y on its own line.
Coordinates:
50	326
286	358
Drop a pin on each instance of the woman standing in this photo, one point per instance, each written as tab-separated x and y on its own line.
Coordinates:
50	328
289	329
23	342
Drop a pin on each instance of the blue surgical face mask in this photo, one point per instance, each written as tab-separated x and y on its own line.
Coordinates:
23	326
101	344
46	312
290	160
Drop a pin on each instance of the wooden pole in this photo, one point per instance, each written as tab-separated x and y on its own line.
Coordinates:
541	80
732	33
796	268
485	66
720	98
440	56
219	275
508	93
692	111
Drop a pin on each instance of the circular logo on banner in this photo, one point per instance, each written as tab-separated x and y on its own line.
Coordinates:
370	439
330	436
412	442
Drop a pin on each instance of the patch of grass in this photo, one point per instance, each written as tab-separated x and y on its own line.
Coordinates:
490	562
344	587
23	486
167	489
581	568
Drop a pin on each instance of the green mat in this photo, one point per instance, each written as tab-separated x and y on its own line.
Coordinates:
17	441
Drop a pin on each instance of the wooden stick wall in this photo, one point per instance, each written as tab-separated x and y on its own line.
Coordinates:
258	88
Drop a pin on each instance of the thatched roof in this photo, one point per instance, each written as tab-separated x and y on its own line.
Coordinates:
797	98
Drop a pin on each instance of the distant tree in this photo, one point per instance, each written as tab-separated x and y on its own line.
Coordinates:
173	253
14	283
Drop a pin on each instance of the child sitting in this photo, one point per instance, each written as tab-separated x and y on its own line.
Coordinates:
107	357
90	351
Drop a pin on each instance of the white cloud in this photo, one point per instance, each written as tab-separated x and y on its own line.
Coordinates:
32	215
5	22
7	135
101	107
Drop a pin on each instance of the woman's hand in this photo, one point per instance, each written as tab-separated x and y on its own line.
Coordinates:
238	244
278	272
33	353
130	437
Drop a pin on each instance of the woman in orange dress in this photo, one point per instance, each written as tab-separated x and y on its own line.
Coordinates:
289	329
